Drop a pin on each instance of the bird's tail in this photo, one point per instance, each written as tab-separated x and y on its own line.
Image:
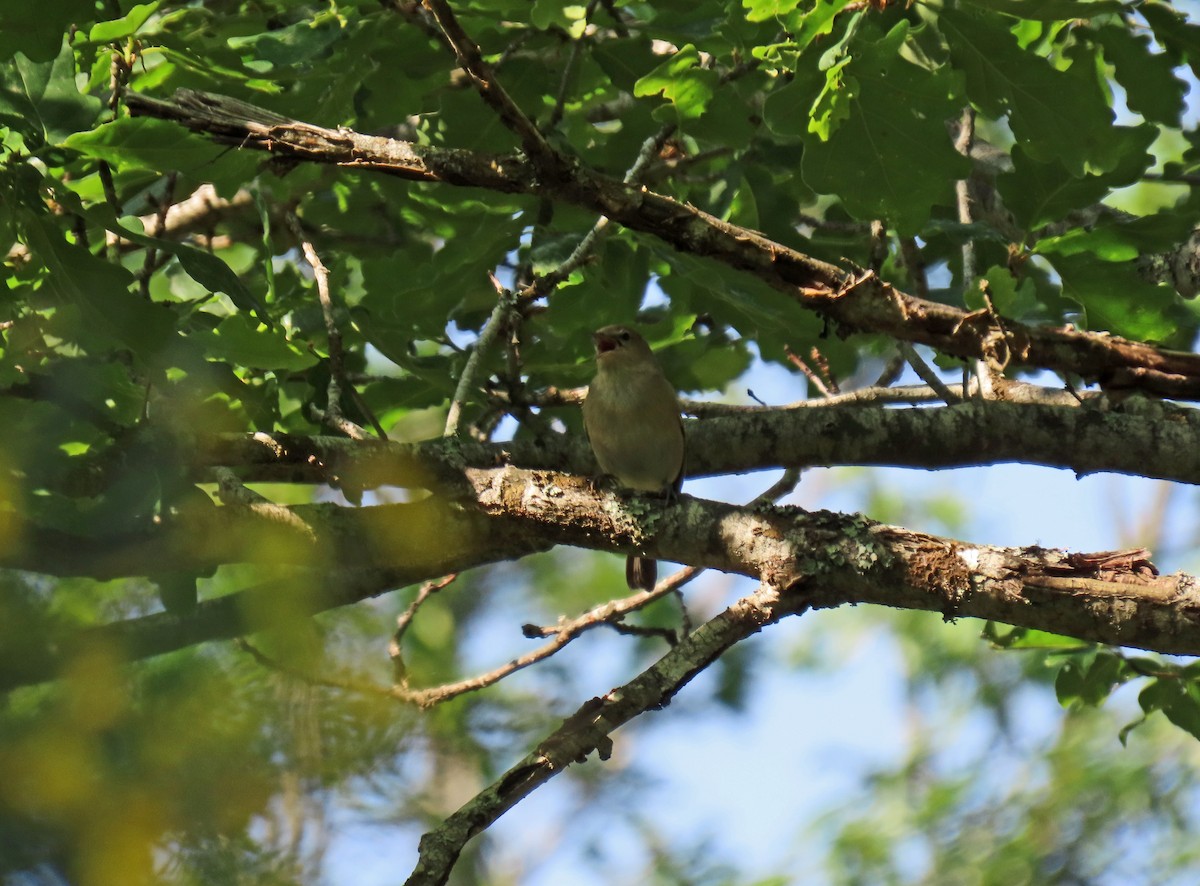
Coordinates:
641	572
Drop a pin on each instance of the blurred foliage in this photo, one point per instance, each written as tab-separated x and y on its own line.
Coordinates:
122	335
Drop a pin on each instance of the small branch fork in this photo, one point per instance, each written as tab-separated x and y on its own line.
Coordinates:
608	613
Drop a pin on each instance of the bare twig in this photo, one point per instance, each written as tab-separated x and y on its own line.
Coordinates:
589	728
493	93
890	372
545	283
813	378
433	695
150	263
914	263
879	246
332	414
405	619
822	366
927	374
628	630
498	319
110	196
962	188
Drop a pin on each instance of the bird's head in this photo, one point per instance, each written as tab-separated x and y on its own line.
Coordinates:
619	345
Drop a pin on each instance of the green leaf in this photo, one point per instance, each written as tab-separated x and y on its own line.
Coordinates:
1173	30
147	143
571	18
1037	193
1148	77
627	62
35	433
789	109
1105	243
1008	637
302	42
1106	672
681	81
1012	297
44	97
37	29
834	102
611	288
126	26
695	364
765	10
113	314
1068	685
1173	699
1050	10
891	157
1115	297
240	342
817	22
1059	116
205	268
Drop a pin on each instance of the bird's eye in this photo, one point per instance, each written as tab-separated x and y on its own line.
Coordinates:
624	336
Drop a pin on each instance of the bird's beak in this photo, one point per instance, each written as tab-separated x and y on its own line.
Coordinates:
604	343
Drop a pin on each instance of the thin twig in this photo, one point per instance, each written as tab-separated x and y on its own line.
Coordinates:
618	22
582	254
815	380
628	630
962	188
878	394
890	372
332	414
786	483
926	373
879	246
495	322
150	263
612	610
822	366
914	263
405	619
110	196
564	85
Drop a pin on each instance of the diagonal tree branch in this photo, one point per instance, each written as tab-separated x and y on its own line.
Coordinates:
589	728
862	302
548	161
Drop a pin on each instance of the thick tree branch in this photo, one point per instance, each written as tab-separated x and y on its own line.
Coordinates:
1140	437
833	559
861	302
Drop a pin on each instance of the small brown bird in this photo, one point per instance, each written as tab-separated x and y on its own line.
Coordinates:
631	416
